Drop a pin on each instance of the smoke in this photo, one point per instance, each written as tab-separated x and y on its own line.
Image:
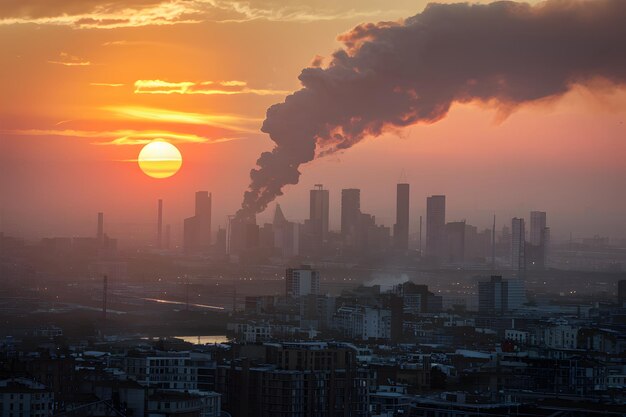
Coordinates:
395	74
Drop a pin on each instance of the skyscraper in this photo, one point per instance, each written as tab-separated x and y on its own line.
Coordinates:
518	247
197	229
537	226
350	213
318	213
401	228
539	239
435	224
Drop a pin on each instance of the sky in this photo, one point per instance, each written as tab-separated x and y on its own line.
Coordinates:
86	83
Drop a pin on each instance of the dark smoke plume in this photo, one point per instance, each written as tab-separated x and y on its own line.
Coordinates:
391	75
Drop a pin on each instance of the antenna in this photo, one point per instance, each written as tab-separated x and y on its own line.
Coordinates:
493	244
319	186
420	235
402	178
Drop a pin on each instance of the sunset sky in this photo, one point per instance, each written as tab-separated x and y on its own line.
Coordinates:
86	83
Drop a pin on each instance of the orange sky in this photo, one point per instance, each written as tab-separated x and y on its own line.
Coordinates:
83	86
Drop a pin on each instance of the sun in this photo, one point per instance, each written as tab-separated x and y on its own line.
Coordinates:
160	159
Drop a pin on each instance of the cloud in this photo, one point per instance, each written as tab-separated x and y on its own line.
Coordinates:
236	123
120	137
203	87
106	84
70	61
109	14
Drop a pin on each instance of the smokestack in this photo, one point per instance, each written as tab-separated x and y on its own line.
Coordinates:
394	74
160	224
100	234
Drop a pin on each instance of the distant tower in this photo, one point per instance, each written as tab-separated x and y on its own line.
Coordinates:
435	223
318	211
197	229
401	228
100	227
160	224
350	212
518	249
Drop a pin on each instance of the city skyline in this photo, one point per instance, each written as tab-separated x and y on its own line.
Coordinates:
127	86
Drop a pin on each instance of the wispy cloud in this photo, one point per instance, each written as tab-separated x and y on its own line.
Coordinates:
132	13
107	84
70	60
202	87
236	123
120	137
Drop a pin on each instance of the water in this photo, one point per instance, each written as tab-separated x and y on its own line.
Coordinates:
202	340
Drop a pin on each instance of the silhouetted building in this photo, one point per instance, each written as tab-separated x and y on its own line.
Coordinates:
435	224
318	212
350	211
286	235
518	245
536	254
454	244
401	228
243	235
302	281
498	296
197	229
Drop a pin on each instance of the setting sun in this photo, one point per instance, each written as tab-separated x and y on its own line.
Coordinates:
160	159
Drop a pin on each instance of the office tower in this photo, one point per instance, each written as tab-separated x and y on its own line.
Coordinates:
401	228
498	296
286	235
197	229
242	235
537	226
350	213
100	232
518	247
454	242
539	240
302	281
160	224
435	224
318	213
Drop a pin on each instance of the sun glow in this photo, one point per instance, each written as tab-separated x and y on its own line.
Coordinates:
160	159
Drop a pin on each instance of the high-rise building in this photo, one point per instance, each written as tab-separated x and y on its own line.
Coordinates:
160	224
537	226
435	224
350	213
302	281
318	213
518	245
498	296
539	239
401	228
197	229
454	242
